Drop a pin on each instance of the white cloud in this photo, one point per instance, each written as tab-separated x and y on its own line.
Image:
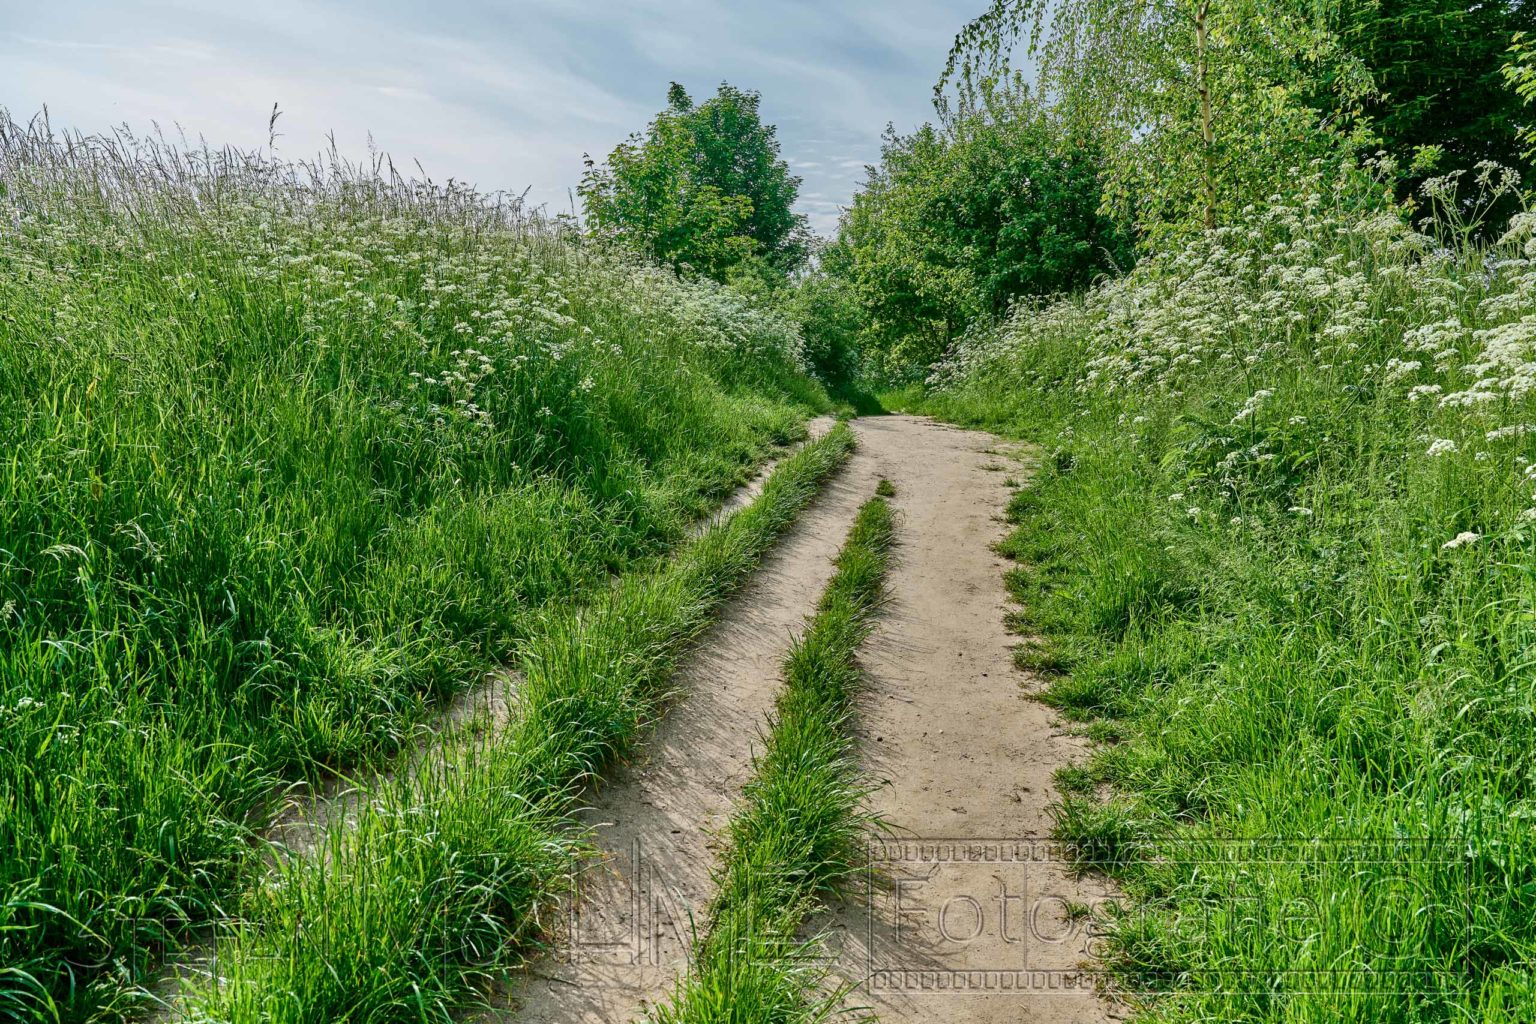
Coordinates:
508	96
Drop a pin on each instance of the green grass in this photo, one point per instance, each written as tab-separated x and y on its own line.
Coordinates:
1316	707
800	829
435	888
292	454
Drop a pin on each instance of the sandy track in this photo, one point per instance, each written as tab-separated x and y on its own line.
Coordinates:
966	761
624	940
945	724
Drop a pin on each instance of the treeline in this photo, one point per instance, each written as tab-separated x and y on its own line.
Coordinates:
1144	127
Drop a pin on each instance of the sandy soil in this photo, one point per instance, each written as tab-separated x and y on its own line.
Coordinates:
968	891
964	917
623	941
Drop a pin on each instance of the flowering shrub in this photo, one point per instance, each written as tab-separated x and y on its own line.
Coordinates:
1283	544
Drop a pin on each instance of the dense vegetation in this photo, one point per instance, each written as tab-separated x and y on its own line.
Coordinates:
1277	556
998	201
291	454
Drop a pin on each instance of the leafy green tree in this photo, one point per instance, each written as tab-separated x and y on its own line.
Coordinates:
997	201
703	186
1204	106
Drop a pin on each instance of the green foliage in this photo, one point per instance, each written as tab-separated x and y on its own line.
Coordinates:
827	309
1202	107
1285	528
1435	66
1520	75
291	456
996	202
703	188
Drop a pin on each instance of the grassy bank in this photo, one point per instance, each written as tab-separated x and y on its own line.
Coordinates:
1279	555
800	829
292	452
435	886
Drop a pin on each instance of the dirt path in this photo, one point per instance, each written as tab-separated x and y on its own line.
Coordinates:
623	942
966	757
970	921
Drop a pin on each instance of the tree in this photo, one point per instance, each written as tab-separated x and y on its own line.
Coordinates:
1204	106
997	201
1435	66
703	187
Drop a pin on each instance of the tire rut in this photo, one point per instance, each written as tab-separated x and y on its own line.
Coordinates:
624	937
965	919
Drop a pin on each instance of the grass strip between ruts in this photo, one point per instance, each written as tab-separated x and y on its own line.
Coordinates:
436	884
800	828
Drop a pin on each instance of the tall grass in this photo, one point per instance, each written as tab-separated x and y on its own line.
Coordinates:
800	829
291	452
408	910
1281	546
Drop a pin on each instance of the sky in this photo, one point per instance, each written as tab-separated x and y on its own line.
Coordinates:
506	96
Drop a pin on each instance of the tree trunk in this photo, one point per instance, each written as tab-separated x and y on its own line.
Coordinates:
1203	86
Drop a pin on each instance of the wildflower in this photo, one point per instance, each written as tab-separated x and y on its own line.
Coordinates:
1461	540
1513	430
1441	446
1300	510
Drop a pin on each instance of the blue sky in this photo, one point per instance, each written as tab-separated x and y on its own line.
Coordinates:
506	95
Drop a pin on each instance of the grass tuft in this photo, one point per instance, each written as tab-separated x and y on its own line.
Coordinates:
800	829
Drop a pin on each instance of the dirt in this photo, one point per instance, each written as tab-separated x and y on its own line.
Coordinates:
965	913
964	757
657	824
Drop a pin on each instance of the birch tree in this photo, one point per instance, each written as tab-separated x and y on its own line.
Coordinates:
1203	106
